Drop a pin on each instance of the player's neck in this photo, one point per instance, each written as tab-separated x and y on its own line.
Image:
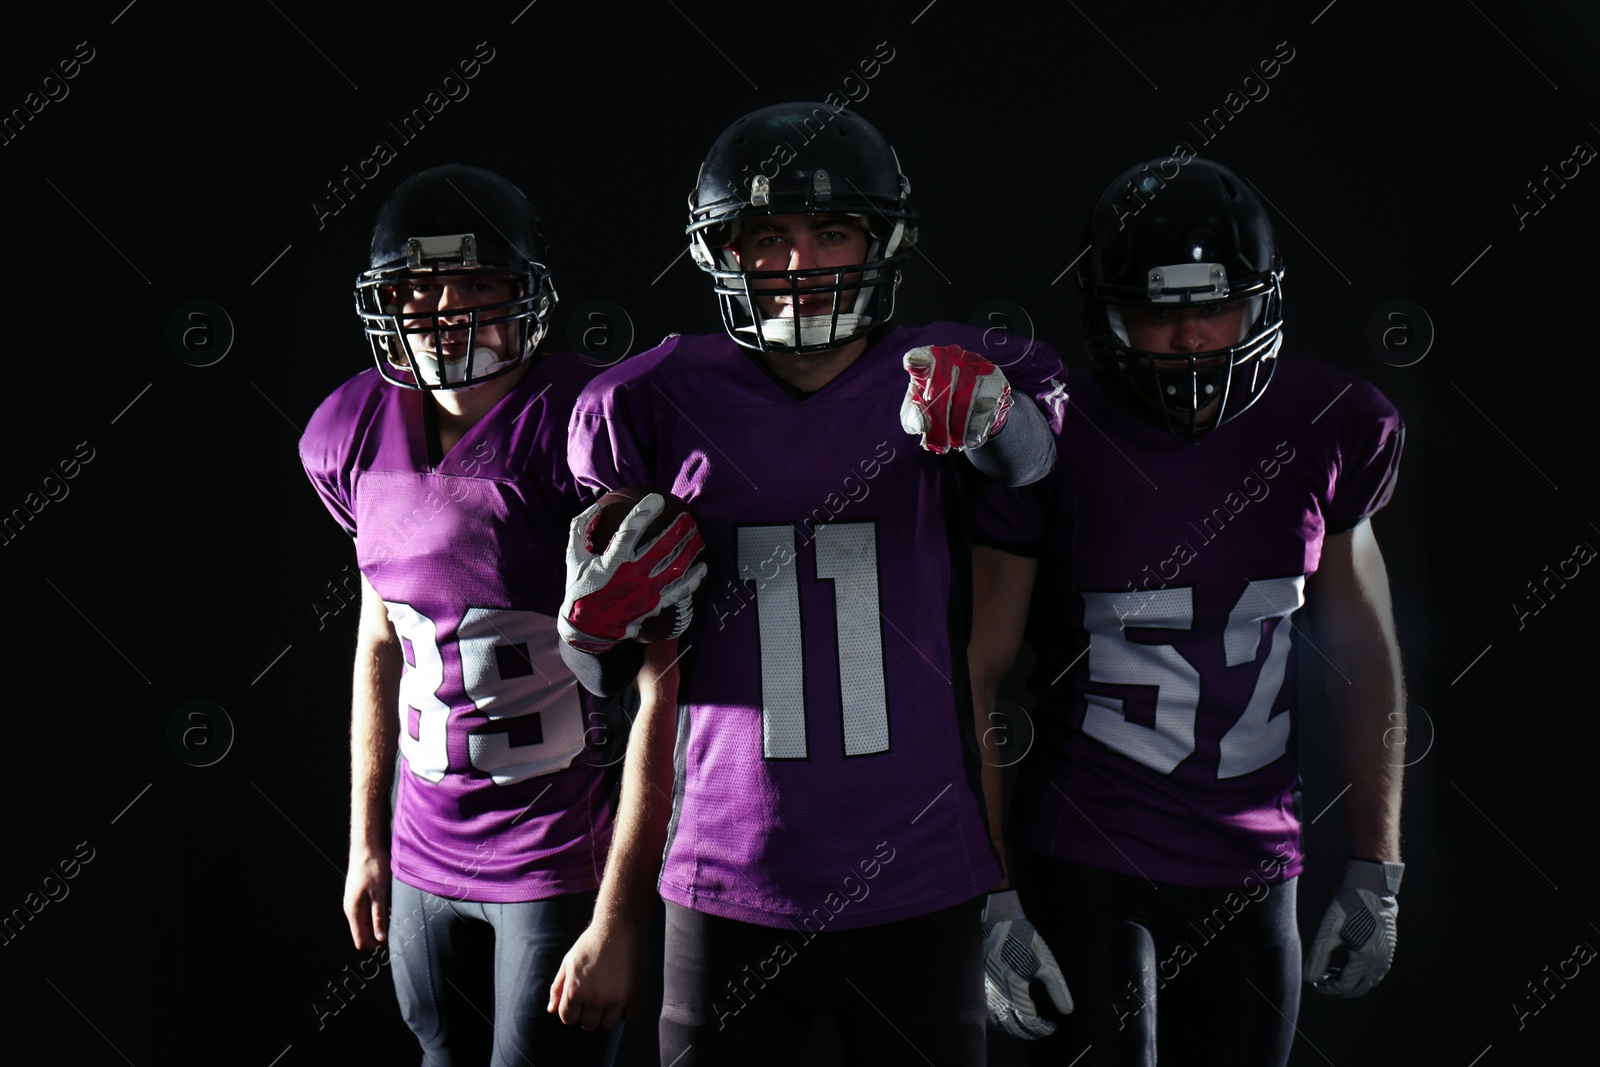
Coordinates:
460	411
811	371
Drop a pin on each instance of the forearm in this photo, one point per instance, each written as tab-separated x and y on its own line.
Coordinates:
373	736
1002	586
599	981
993	777
374	727
633	865
1367	718
1366	695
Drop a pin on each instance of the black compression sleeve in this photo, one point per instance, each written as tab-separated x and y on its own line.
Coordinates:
608	673
1023	451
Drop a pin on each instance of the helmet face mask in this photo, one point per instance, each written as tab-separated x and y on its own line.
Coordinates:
429	348
423	248
1196	244
841	167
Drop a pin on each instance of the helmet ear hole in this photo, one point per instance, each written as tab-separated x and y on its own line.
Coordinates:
1114	320
1251	316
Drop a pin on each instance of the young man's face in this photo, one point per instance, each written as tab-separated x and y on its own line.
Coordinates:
802	242
452	297
1183	332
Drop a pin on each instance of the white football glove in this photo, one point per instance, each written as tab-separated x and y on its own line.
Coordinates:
610	595
956	399
1355	943
1013	955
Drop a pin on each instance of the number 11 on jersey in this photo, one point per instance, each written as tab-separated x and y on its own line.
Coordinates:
846	556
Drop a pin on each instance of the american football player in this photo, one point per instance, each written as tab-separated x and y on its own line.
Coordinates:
1205	494
446	462
804	790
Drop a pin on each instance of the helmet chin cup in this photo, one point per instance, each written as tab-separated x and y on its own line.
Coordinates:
809	331
452	374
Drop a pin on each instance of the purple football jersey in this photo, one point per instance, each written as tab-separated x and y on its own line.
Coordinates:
503	792
1169	576
825	767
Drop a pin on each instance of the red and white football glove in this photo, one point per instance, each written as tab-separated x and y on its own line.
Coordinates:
957	399
610	595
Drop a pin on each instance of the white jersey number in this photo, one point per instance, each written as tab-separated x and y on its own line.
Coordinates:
510	668
1252	742
847	556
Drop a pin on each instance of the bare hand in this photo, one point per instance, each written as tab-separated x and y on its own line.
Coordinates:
598	983
366	900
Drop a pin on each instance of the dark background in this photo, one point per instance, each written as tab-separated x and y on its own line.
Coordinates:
190	561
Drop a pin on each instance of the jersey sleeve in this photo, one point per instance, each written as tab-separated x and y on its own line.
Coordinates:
1369	459
1039	375
324	455
1010	519
541	428
604	446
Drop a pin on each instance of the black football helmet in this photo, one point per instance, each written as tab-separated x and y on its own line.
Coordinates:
445	222
1172	234
802	158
